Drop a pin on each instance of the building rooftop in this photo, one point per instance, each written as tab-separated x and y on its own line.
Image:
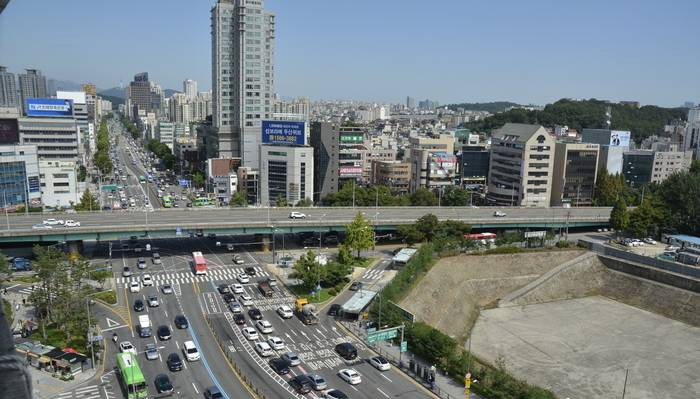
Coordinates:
518	132
359	301
687	239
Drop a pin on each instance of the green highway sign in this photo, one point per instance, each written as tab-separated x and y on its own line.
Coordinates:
383	335
404	346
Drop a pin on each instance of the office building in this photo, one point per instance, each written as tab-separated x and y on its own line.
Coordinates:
433	164
637	167
393	174
9	127
286	172
55	138
410	103
189	88
81	116
613	143
166	133
574	174
667	163
59	187
474	163
352	148
32	84
324	140
691	138
522	159
243	34
19	172
8	88
139	94
223	177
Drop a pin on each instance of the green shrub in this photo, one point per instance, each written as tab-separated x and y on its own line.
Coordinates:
333	291
109	297
563	244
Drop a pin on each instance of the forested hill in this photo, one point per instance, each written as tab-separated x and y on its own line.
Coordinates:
642	122
492	107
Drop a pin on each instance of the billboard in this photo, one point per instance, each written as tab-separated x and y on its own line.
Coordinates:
350	171
9	131
620	138
283	132
352	138
49	107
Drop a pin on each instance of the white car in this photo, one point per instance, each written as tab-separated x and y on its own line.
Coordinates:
264	326
285	312
237	289
380	363
235	307
276	343
53	222
350	376
650	241
71	223
250	333
40	226
127	347
246	300
499	214
243	278
147	280
263	349
297	215
134	287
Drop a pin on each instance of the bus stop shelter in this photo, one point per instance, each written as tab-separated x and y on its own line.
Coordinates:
357	304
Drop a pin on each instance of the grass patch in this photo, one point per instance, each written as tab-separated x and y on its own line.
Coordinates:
7	307
363	262
25	279
109	297
300	292
56	337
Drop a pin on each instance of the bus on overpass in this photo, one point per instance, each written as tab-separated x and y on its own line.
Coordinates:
167	201
199	264
131	377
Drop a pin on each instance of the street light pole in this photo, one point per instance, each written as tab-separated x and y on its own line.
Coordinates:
92	342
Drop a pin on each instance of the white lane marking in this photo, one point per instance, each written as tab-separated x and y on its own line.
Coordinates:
195	388
385	377
382	392
353	387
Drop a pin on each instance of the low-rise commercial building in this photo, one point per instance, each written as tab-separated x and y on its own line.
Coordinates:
55	138
637	167
286	172
474	163
58	183
613	143
19	176
394	174
223	177
667	163
433	164
574	174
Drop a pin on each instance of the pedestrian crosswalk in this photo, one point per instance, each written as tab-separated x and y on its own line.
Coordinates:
374	274
27	290
187	277
86	392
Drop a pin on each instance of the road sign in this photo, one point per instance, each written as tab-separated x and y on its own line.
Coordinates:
535	234
97	338
371	330
383	335
408	316
404	346
178	231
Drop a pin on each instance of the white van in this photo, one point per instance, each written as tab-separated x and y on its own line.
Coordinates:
190	351
144	326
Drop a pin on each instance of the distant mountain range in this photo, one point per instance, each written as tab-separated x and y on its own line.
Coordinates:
492	107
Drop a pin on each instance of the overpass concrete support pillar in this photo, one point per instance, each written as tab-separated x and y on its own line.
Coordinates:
265	241
75	248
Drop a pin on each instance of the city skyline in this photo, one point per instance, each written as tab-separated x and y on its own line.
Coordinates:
510	52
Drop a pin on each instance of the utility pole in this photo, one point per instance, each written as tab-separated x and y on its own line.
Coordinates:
353	193
624	387
92	342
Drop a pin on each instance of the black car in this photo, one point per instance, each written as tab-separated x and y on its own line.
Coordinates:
164	333
250	271
280	365
163	384
228	297
181	322
334	310
301	384
346	350
223	289
255	314
356	286
174	362
336	394
138	305
238	318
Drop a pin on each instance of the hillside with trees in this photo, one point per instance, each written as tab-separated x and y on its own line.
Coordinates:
492	107
642	122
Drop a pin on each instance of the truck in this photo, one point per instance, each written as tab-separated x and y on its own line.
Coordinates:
305	311
265	288
144	326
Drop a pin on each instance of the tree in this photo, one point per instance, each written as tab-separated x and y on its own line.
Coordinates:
82	173
423	197
88	202
344	255
609	188
238	199
455	196
197	178
619	218
305	203
411	234
307	270
427	224
5	269
679	194
359	234
647	219
280	201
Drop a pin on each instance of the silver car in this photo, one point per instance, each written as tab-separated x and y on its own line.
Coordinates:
317	382
151	352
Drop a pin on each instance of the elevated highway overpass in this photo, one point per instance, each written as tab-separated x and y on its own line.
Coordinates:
109	225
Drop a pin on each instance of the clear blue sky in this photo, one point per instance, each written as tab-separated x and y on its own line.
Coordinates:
382	50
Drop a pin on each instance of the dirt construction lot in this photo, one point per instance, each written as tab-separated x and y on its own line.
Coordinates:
580	348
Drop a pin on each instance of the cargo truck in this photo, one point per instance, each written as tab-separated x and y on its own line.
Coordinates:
265	288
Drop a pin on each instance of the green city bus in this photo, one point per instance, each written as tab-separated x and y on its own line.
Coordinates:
203	201
167	201
142	179
131	377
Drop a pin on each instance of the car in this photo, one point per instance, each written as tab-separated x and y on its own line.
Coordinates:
210	235
190	350
297	215
53	222
230	247
380	363
71	223
246	300
292	358
213	393
156	258
250	271
264	326
237	289
138	305
151	351
301	384
255	314
164	333
189	205
272	281
163	384
40	226
499	214
317	382
238	260
153	301
235	307
147	280
650	241
127	347
334	310
126	272
355	286
346	350
239	319
351	376
223	289
263	349
243	278
166	289
673	248
335	394
285	312
276	343
181	322
134	287
228	297
279	365
174	362
250	333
